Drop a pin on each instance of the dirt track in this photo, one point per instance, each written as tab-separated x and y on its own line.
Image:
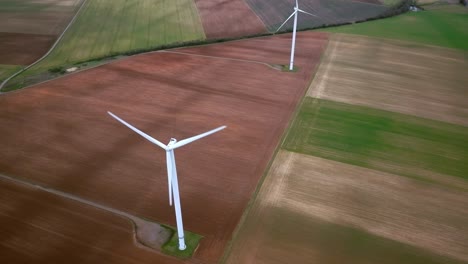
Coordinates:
307	205
38	227
228	18
58	133
396	76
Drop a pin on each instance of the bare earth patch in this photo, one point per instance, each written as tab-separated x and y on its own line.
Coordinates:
59	135
41	227
302	190
228	18
396	76
23	49
46	23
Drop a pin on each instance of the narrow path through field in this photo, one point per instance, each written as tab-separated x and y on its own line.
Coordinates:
146	233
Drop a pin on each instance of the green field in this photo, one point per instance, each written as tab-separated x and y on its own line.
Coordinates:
445	27
107	27
377	139
8	70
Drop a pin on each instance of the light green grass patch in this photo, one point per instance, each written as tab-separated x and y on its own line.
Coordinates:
172	246
8	70
447	27
378	139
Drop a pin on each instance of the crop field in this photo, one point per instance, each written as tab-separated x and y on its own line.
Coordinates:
29	28
128	25
42	17
16	48
313	210
397	76
234	18
58	135
374	167
274	13
38	227
387	141
439	26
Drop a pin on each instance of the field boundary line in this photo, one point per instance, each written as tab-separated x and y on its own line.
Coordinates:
309	87
402	42
137	222
221	58
48	52
278	148
65	195
320	73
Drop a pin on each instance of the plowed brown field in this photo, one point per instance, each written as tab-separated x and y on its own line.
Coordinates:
313	210
59	135
37	227
23	49
228	18
28	28
425	81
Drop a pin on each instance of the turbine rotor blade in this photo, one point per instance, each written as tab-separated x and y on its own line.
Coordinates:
300	10
293	13
191	139
297	4
141	133
169	175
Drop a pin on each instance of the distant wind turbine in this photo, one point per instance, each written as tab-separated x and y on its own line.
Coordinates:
171	170
294	13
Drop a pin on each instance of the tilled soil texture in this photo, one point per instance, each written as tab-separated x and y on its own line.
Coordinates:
327	12
38	227
228	19
312	210
23	49
28	28
35	22
59	134
408	78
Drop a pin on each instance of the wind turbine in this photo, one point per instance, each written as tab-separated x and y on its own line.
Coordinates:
171	170
294	13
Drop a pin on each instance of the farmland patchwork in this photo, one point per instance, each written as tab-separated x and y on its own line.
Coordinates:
58	135
129	25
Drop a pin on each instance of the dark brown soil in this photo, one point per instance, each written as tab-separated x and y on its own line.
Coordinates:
59	134
228	18
38	227
23	49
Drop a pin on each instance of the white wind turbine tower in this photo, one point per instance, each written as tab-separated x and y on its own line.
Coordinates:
296	9
171	170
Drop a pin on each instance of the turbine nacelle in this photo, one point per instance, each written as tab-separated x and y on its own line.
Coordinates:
171	142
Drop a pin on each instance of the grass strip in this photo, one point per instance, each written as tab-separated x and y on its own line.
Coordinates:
440	27
172	246
378	139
